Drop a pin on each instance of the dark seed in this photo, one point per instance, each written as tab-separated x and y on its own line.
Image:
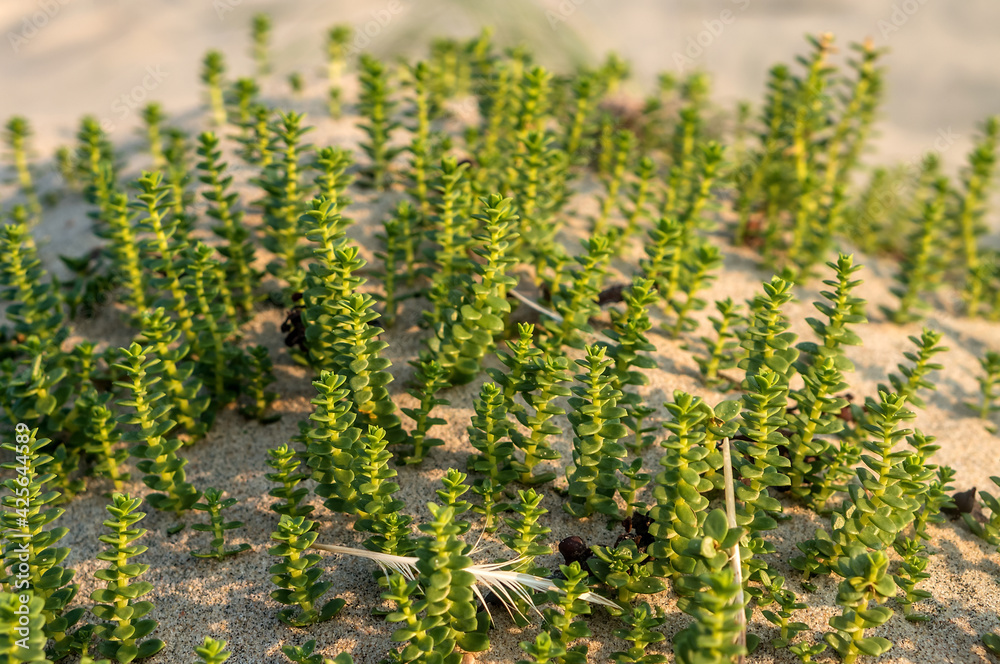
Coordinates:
574	550
965	502
611	294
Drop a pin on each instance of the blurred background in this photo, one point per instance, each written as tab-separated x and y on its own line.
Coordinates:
64	58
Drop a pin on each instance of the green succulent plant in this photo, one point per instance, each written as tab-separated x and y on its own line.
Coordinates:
31	559
214	330
152	444
125	626
624	145
66	167
915	378
817	416
992	642
584	91
393	242
38	389
17	132
260	32
543	650
528	533
989	389
767	341
493	275
785	605
539	180
711	598
378	511
377	109
162	250
882	505
639	196
865	580
489	435
124	250
212	652
93	151
565	621
305	654
447	225
358	354
337	39
576	301
430	377
103	437
921	267
543	383
630	352
454	487
978	181
332	444
624	569
213	67
181	388
596	420
330	279
989	531
22	638
297	577
423	148
688	477
642	622
153	117
258	373
442	562
476	312
242	279
704	259
285	463
213	504
285	196
760	464
722	353
35	308
177	177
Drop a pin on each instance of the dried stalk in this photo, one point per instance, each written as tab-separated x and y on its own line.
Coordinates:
534	305
734	553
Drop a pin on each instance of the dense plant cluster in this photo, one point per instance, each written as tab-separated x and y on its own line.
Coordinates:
477	246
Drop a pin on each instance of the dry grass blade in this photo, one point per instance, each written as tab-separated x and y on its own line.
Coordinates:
734	554
534	305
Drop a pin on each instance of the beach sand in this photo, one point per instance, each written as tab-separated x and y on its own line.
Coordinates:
230	600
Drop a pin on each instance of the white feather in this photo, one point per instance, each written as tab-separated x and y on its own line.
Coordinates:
506	584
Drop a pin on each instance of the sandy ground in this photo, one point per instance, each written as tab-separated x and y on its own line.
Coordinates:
93	52
60	59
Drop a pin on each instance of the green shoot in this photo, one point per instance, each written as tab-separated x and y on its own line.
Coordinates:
213	504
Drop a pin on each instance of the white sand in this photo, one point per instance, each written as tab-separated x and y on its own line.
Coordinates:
92	52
